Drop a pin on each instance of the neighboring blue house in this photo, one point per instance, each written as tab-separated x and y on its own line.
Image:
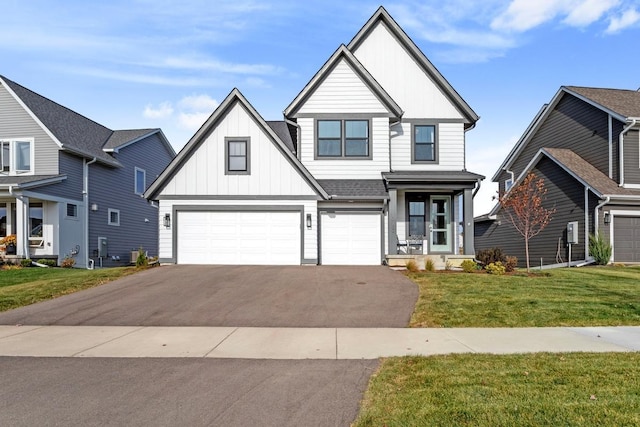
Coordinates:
70	187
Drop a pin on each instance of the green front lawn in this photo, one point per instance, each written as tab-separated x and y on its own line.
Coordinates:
587	296
20	287
579	389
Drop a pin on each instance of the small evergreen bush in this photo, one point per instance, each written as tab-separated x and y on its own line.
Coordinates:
47	262
469	266
25	262
599	249
496	268
142	261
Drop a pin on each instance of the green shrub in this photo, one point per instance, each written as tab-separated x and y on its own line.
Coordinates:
142	261
68	262
412	265
469	266
25	262
488	256
496	268
47	262
510	263
429	265
599	249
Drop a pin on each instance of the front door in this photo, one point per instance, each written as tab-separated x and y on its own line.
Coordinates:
440	226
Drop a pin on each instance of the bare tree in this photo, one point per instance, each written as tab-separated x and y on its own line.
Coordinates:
524	209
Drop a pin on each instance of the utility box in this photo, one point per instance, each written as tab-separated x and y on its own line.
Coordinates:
572	232
103	249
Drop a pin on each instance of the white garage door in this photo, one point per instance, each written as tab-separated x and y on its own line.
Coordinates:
350	239
248	238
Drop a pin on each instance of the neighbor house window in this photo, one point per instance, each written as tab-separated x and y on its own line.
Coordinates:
16	156
424	143
508	184
343	138
140	178
3	219
72	210
114	216
238	157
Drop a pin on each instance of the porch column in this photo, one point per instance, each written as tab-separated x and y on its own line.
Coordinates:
392	232
469	241
22	225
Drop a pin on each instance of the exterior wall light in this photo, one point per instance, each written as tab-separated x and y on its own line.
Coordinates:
607	218
309	221
94	207
167	220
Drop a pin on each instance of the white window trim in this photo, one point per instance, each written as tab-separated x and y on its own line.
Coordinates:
135	180
109	212
12	156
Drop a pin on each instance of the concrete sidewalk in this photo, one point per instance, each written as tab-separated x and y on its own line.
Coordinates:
304	343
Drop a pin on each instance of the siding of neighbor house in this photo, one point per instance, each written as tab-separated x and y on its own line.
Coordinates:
399	74
573	125
71	188
631	158
16	122
567	196
114	188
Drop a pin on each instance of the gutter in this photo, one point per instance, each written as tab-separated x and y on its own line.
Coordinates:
634	120
477	188
85	197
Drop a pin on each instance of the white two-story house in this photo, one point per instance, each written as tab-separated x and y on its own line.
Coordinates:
367	165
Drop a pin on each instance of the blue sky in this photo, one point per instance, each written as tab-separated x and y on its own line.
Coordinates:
158	63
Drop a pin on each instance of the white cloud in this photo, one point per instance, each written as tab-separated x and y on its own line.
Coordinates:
162	111
198	103
192	121
523	15
627	19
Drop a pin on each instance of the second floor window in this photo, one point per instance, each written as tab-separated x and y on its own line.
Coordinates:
343	138
140	178
238	156
424	143
16	156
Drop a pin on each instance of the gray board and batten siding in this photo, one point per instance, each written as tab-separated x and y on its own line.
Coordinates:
577	126
566	195
113	188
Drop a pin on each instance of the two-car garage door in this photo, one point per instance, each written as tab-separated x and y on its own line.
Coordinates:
232	237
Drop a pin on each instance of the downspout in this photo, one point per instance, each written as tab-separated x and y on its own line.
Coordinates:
621	148
299	134
477	189
595	214
85	197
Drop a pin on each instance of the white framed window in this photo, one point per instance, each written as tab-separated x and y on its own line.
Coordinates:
113	217
140	177
16	156
72	210
508	184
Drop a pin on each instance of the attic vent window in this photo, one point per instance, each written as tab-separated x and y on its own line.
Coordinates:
237	156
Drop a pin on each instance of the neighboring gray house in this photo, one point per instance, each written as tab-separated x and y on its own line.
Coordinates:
370	153
68	183
585	144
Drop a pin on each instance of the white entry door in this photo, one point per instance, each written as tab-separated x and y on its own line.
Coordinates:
349	238
247	237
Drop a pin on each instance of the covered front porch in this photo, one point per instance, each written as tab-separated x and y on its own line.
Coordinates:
32	225
431	214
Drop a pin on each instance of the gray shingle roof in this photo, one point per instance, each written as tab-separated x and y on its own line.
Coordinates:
74	131
586	172
31	180
122	137
624	102
284	131
355	188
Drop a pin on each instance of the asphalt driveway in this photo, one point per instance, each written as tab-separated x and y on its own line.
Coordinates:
259	296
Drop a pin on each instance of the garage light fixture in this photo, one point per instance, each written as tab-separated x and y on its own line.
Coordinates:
167	220
309	221
607	218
